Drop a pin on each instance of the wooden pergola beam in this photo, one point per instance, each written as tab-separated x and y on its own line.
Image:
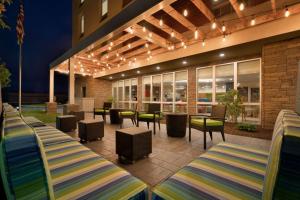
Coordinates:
206	11
155	39
155	22
235	5
179	17
273	3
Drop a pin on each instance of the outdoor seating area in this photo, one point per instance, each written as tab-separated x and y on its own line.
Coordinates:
158	100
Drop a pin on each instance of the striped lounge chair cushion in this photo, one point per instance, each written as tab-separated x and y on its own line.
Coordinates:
79	173
226	171
22	165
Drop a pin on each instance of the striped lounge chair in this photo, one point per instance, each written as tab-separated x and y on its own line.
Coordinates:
44	163
229	171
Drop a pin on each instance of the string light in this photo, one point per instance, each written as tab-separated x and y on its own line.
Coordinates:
89	56
182	43
144	29
172	34
150	34
130	30
129	45
185	12
161	23
214	25
107	56
146	45
287	12
253	22
109	48
223	27
118	54
203	42
242	6
92	54
149	52
184	46
196	34
224	38
118	65
111	44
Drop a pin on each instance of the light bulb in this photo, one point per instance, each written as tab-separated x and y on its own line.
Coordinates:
196	34
185	12
150	34
182	43
203	43
287	12
109	48
144	29
253	22
224	38
184	46
118	54
223	28
172	34
161	23
149	52
146	45
129	46
214	25
111	44
242	6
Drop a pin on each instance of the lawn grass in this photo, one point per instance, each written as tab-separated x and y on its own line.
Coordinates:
41	115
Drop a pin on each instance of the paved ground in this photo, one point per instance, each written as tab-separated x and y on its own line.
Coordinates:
169	154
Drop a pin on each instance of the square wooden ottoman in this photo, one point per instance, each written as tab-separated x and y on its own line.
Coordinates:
133	143
66	123
90	130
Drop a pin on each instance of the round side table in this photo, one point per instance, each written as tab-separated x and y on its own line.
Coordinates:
176	124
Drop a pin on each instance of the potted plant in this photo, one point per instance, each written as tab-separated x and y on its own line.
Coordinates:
233	101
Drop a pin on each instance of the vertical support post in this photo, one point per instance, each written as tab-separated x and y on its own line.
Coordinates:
51	86
71	82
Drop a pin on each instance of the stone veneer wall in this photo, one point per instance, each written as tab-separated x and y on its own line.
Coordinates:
279	78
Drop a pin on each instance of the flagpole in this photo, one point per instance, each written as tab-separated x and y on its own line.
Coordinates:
20	78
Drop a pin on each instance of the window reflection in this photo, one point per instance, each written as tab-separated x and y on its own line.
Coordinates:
204	79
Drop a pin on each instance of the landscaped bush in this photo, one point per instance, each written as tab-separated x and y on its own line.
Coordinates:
247	127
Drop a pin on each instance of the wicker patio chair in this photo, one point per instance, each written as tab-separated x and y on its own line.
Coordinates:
152	115
103	111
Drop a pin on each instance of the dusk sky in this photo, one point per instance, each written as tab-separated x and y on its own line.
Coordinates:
48	33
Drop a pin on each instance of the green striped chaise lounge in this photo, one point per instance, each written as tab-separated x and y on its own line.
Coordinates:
229	171
44	163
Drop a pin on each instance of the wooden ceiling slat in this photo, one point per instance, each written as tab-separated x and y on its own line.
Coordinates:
235	5
155	39
273	2
206	11
179	17
155	22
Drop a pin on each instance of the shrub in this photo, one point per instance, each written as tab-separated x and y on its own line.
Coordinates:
247	127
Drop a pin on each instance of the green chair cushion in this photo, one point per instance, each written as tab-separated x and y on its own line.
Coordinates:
100	110
127	113
148	116
209	122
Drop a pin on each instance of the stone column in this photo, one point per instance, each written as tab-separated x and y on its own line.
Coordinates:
51	105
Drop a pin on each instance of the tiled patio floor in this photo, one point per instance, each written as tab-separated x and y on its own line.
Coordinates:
168	154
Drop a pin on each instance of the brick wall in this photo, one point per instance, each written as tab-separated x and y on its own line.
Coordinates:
97	88
192	82
279	78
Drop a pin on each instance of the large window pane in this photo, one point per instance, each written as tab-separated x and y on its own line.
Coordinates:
181	108
127	90
250	113
134	90
181	86
120	90
224	80
156	88
168	87
168	107
204	109
115	94
146	88
204	79
248	81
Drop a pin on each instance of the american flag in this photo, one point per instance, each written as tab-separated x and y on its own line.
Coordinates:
20	25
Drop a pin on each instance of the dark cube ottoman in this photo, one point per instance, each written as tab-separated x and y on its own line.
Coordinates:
133	143
66	123
90	130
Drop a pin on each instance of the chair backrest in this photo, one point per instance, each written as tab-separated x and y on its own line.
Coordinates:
107	105
218	111
153	107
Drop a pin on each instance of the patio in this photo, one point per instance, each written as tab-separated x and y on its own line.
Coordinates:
168	154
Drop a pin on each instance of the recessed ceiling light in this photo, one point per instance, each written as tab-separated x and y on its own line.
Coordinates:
158	67
222	54
123	75
138	71
110	77
184	62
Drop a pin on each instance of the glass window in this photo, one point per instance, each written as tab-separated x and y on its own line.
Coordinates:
205	81
204	109
127	90
134	90
224	80
248	81
168	87
181	86
120	90
104	7
146	88
180	108
82	24
168	107
156	88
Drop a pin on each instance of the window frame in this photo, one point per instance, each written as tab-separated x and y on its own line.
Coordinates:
235	76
